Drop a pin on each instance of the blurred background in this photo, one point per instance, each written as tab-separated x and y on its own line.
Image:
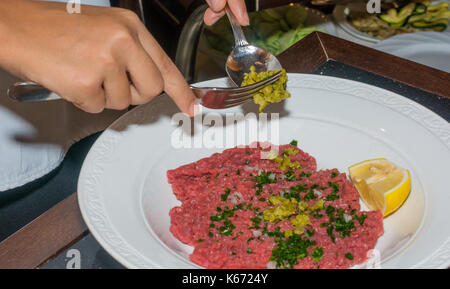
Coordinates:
200	51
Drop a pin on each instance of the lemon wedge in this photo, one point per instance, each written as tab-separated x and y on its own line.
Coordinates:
381	184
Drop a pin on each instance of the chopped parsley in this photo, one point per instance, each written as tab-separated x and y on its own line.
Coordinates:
310	196
360	218
342	226
289	176
349	256
317	254
262	179
335	189
288	251
294	142
224	197
330	234
256	221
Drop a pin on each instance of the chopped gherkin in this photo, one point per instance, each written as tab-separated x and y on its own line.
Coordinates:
273	93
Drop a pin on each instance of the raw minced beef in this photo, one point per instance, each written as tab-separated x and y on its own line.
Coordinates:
225	196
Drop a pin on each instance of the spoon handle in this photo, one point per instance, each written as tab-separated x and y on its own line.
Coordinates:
239	37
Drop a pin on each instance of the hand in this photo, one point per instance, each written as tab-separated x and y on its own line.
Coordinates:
217	9
100	58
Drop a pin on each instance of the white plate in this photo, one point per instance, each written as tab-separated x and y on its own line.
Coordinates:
341	12
428	48
125	198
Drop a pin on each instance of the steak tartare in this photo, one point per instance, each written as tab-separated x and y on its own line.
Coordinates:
241	211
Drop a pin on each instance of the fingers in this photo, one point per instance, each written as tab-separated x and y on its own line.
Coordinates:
92	102
240	11
145	75
117	89
216	5
212	17
216	11
174	83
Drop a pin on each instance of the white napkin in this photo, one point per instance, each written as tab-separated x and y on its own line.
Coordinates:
34	137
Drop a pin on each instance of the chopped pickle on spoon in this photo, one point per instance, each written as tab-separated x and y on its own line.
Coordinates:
273	93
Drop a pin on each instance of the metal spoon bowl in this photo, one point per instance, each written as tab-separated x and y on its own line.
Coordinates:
245	55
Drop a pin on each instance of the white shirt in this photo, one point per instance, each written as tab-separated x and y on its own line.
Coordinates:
34	137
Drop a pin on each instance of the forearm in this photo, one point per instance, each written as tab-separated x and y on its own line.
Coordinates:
13	15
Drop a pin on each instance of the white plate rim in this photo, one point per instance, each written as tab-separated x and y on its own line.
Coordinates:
125	254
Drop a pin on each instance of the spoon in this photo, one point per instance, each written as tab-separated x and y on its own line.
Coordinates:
245	55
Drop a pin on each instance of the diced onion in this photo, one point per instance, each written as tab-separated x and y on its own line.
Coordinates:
271	265
257	233
318	193
347	217
236	197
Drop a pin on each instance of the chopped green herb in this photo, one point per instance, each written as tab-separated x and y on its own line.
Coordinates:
256	221
360	218
200	240
332	196
330	232
289	176
224	197
309	233
247	162
310	196
349	256
294	142
317	254
287	252
334	174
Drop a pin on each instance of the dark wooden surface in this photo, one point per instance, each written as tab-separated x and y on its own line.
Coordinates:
61	226
45	237
318	48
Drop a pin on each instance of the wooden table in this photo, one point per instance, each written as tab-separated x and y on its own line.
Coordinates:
61	226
